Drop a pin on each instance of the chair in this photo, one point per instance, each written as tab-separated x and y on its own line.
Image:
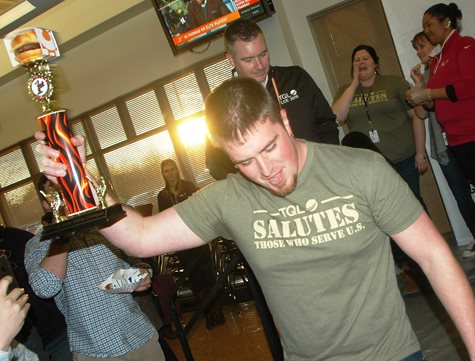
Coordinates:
145	209
223	251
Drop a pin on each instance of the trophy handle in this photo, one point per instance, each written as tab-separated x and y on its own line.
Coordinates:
74	187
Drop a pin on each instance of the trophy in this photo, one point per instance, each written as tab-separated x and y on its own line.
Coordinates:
74	205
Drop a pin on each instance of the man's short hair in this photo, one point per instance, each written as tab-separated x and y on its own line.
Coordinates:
241	29
234	108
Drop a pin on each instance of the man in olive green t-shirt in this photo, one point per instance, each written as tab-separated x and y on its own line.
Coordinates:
313	222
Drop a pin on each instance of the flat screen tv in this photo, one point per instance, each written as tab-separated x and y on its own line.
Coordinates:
187	25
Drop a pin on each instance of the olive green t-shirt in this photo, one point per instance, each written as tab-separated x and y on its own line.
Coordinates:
387	109
321	253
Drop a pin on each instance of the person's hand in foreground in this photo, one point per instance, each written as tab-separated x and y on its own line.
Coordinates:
13	310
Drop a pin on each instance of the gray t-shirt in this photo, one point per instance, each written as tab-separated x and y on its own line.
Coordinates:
320	254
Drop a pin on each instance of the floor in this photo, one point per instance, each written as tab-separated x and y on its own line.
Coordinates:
437	334
241	338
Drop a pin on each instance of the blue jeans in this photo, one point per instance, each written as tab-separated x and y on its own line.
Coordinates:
460	187
416	356
408	171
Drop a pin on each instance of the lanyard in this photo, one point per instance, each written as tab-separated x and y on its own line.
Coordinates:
365	101
276	91
270	75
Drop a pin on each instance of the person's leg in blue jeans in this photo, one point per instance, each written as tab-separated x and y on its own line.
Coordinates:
413	276
417	356
408	171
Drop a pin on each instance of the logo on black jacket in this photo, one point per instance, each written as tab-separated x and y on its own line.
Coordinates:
288	97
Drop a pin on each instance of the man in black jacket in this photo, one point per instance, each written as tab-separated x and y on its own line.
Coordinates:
310	115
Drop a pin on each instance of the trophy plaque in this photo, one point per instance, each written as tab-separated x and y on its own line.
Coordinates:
76	205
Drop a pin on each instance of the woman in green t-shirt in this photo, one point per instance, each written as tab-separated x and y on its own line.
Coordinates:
375	105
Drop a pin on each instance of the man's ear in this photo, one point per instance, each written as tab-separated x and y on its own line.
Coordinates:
230	59
283	114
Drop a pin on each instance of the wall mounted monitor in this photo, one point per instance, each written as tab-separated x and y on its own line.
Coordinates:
187	24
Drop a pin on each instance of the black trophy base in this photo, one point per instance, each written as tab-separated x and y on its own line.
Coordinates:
103	217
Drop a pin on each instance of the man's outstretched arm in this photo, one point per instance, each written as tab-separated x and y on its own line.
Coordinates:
136	235
423	243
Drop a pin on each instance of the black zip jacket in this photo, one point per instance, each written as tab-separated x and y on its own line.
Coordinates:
309	113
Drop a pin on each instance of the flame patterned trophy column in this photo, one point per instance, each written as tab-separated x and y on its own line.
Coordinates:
33	48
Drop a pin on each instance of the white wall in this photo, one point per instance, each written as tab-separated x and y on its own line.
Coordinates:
299	35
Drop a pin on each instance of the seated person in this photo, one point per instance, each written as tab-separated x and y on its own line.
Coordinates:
202	276
100	324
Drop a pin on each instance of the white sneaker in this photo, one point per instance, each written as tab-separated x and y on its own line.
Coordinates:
469	252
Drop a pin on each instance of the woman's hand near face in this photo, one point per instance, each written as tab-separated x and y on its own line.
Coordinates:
416	76
355	81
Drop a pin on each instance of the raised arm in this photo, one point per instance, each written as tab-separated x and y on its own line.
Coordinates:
417	76
423	243
158	234
341	105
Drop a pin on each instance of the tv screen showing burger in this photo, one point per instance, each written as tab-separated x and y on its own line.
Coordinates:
189	23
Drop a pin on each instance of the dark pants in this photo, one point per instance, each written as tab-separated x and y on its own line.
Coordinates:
460	187
59	349
465	156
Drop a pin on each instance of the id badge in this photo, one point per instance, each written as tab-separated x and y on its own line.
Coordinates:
373	135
